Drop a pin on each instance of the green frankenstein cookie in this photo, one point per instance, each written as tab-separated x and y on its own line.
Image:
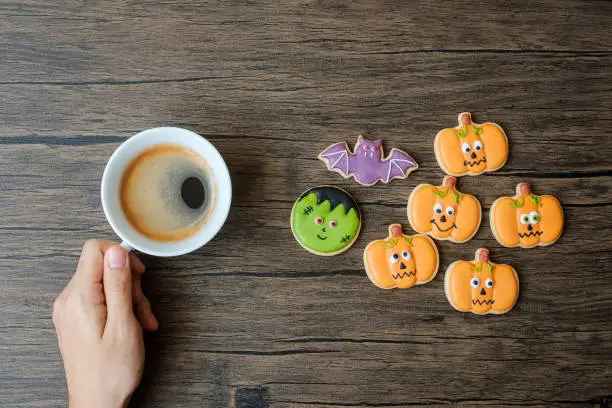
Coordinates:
325	220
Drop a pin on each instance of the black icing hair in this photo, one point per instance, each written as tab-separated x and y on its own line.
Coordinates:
335	196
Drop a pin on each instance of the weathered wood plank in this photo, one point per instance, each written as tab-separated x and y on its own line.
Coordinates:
251	320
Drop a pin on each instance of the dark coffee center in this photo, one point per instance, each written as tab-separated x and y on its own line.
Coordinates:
193	192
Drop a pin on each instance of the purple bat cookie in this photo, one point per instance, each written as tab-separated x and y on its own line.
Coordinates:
366	165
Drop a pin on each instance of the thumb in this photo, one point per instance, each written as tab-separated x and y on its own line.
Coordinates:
117	280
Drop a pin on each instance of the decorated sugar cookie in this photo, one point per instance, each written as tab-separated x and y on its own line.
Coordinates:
366	165
401	261
443	212
481	286
526	220
325	220
471	148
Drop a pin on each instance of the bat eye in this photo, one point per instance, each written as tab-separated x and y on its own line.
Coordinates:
524	219
450	210
333	223
373	148
475	282
365	147
465	147
478	145
489	283
438	208
319	220
394	258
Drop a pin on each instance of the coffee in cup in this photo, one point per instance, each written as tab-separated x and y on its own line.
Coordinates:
166	193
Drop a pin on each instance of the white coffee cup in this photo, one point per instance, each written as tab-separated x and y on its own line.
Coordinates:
221	186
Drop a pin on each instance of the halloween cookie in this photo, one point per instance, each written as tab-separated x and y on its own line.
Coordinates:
481	286
526	220
367	165
471	148
443	212
325	220
401	261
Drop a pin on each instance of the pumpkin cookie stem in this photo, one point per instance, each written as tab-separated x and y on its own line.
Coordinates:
465	118
524	189
395	230
449	181
482	255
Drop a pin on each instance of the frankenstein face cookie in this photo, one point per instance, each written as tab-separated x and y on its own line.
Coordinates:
471	148
526	220
401	261
480	286
325	220
443	212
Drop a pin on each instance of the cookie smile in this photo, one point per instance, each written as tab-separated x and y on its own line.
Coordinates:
475	162
404	275
530	234
321	238
440	229
482	302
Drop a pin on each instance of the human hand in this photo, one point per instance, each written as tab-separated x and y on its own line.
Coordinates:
99	319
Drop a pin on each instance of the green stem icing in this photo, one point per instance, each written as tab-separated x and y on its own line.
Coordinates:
441	193
457	196
408	241
477	268
477	130
491	267
537	200
517	203
391	242
461	133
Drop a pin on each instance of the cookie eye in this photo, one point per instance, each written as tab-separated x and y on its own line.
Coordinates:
319	220
394	258
366	147
478	145
534	217
465	147
373	148
333	223
489	283
475	282
406	255
438	208
450	210
524	219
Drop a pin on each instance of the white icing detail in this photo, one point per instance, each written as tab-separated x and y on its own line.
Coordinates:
343	154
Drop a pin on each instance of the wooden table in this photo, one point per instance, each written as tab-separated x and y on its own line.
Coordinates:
251	319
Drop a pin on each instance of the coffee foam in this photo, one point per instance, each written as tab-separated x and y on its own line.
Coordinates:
150	193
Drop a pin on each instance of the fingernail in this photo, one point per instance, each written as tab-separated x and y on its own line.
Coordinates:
116	257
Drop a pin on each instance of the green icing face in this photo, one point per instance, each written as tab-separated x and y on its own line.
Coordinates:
320	228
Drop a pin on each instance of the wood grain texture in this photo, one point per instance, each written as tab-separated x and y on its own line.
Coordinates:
251	319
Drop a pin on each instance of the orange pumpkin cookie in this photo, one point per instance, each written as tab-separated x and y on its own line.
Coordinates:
443	212
526	220
471	148
401	261
481	286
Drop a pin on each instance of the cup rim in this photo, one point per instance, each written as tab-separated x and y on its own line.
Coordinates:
206	233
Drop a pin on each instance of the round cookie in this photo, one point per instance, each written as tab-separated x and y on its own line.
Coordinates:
443	212
471	148
401	261
325	220
526	220
480	286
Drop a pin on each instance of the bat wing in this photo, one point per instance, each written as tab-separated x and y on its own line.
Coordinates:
337	157
398	164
